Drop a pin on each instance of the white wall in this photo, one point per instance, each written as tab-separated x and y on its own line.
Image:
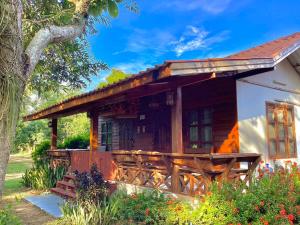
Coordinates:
251	103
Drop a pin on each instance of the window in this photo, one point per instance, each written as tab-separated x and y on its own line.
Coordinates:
106	135
199	130
281	131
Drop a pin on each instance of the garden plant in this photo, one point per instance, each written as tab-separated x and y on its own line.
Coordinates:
273	198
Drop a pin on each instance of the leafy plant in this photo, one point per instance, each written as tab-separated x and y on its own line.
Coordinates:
7	217
152	207
39	155
91	186
43	177
104	214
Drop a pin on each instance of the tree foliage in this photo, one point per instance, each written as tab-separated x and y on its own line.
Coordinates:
43	40
115	76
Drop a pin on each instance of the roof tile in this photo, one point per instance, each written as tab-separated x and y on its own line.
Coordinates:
269	49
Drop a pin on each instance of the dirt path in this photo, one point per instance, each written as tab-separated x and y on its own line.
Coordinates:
28	213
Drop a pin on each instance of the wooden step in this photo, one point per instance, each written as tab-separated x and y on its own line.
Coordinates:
237	170
69	177
65	185
63	193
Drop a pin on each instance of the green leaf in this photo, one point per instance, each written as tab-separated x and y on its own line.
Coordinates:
113	8
95	10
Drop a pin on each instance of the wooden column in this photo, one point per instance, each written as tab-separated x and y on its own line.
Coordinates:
54	134
176	123
177	146
175	179
94	131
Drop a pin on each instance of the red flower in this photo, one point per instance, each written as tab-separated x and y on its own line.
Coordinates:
170	202
282	212
147	211
257	208
266	222
298	209
291	217
262	203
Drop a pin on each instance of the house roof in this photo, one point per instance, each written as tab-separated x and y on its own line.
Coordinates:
260	57
270	49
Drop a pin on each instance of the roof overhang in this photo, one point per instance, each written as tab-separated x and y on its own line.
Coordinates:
201	69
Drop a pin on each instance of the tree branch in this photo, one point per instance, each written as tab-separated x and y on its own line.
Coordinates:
46	36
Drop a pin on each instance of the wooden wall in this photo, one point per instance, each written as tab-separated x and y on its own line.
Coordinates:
154	123
80	162
220	95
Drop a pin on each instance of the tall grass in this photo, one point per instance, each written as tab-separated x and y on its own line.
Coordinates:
104	214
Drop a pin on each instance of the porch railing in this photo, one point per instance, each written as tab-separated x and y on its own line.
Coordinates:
61	157
189	174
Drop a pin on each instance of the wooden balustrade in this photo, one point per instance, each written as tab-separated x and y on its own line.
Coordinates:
189	174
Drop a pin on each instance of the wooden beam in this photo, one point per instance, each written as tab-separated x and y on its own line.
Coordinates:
176	123
94	131
54	134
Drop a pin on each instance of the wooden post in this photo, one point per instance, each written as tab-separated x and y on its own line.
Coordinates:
177	146
175	182
54	134
93	135
176	123
94	131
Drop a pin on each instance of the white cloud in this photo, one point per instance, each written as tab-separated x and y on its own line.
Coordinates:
210	6
195	38
148	42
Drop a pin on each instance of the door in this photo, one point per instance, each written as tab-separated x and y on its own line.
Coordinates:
126	134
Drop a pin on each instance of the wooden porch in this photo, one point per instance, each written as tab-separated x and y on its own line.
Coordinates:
189	174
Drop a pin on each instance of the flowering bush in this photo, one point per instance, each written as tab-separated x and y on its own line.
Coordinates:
151	207
273	198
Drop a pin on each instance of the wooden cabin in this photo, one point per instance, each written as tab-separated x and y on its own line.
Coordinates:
182	124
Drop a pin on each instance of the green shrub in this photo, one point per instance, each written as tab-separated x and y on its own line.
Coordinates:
152	207
39	155
273	198
43	177
76	142
103	214
7	217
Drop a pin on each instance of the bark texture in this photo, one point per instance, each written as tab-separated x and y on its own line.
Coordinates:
46	36
16	65
11	77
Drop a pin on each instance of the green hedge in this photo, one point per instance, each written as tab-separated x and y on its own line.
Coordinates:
76	142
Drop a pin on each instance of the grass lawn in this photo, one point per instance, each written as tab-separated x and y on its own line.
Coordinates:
14	192
17	166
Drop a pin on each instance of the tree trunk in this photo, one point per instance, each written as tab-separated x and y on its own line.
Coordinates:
16	65
4	153
12	82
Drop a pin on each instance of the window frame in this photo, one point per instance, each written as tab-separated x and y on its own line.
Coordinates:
286	125
200	126
107	133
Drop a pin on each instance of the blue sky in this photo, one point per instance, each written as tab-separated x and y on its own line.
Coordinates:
189	29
